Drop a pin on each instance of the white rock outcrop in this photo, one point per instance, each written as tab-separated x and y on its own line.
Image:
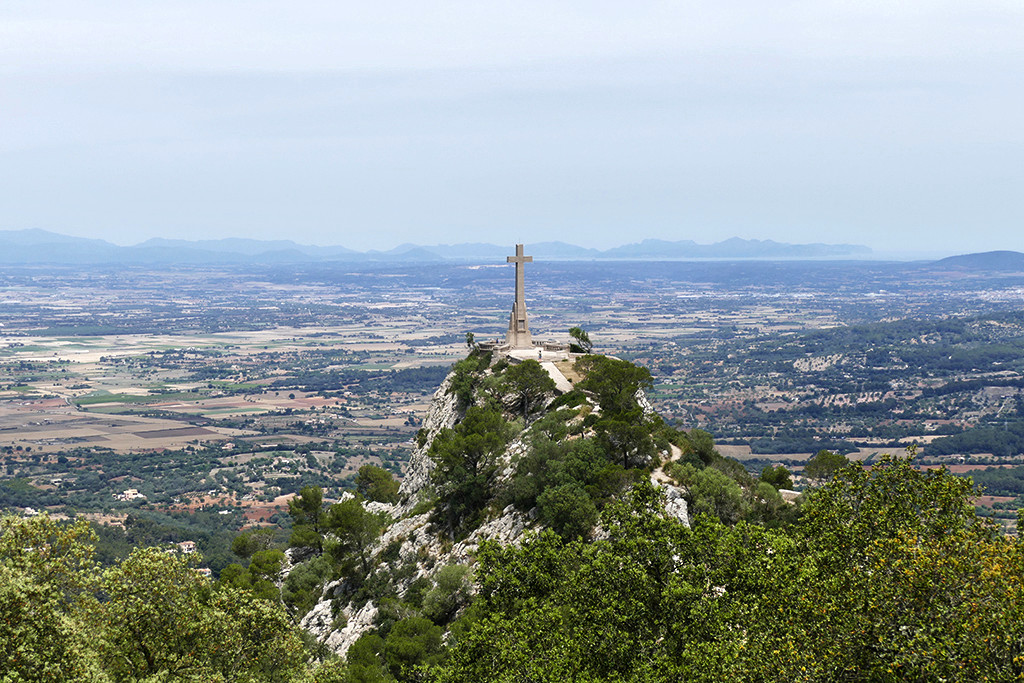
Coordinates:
675	503
321	622
443	414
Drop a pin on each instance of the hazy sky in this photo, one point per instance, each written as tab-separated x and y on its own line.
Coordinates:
894	124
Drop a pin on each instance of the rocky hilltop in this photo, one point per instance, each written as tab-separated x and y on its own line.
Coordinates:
501	453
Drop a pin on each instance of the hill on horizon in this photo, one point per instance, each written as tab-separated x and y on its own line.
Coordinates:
987	260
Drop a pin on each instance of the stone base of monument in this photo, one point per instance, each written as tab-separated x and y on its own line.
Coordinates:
496	346
538	353
546	353
547	350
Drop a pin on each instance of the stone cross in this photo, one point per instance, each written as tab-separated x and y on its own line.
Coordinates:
518	326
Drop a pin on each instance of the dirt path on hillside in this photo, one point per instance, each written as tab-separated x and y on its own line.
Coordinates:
658	476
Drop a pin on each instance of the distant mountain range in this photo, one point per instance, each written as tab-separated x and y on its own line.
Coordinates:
41	246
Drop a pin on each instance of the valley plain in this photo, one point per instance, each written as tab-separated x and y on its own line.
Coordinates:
227	388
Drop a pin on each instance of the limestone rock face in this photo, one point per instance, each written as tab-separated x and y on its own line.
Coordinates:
443	414
506	530
321	622
339	628
645	403
675	504
377	507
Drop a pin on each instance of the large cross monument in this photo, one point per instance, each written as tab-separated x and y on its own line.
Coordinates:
518	326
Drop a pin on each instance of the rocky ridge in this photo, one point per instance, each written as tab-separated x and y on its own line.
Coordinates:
339	623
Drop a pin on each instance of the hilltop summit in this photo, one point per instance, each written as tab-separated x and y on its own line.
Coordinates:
502	452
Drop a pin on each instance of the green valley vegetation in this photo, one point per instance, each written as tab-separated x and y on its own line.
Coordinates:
149	617
852	386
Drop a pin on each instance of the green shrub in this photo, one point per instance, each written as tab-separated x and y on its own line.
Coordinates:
411	643
779	477
568	510
303	586
377	484
714	493
417	590
451	592
465	466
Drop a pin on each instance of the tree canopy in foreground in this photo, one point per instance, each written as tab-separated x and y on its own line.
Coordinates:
889	576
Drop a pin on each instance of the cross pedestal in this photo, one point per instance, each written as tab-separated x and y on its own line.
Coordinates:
518	336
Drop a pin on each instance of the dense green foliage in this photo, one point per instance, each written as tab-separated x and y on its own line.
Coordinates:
252	541
1000	481
149	617
580	340
824	464
465	376
1001	440
212	533
568	481
528	384
623	429
259	577
306	510
466	465
354	529
889	576
376	483
778	476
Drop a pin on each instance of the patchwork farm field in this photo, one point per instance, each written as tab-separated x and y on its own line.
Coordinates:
228	421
